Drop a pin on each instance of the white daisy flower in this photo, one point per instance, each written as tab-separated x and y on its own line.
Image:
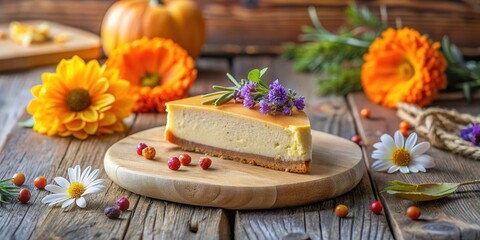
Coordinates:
397	154
80	184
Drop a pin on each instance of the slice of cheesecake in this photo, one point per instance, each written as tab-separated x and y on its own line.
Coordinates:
232	131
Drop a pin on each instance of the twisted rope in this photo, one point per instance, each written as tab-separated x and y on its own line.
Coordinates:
441	128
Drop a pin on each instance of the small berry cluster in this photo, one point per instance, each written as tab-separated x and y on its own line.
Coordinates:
114	212
185	159
24	195
146	151
376	207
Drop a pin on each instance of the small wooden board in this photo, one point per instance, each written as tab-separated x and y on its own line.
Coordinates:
336	168
14	56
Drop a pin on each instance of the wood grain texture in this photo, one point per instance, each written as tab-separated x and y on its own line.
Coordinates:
34	155
11	97
253	27
454	217
318	220
13	56
227	184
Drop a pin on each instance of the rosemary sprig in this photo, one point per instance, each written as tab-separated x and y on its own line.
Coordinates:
228	93
8	192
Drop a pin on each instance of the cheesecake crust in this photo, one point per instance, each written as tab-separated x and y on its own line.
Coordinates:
299	166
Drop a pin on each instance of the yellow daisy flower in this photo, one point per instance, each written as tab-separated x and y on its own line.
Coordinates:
80	99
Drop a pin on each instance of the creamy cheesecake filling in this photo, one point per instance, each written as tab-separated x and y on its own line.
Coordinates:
197	125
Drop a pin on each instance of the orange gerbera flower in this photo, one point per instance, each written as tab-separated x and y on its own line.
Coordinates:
403	66
80	100
158	69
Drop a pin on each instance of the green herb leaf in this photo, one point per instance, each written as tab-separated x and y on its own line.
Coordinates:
27	123
254	75
421	192
8	192
263	71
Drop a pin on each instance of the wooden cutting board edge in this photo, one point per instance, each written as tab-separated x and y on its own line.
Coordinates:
239	197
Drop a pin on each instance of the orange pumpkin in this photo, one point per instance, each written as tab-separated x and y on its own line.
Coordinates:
179	20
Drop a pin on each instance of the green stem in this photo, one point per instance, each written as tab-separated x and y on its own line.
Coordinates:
470	182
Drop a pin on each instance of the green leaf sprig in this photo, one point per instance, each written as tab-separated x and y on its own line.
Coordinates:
424	192
337	57
228	93
8	192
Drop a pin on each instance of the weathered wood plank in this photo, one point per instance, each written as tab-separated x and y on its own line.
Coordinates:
15	93
454	217
316	221
35	155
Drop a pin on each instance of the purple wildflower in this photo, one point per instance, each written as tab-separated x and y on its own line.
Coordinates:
287	108
246	94
300	103
264	108
277	94
248	101
471	133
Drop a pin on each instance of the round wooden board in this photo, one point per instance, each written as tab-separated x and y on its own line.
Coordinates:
336	168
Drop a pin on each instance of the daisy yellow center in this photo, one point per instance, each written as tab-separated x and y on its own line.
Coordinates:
406	70
401	157
150	80
76	189
78	99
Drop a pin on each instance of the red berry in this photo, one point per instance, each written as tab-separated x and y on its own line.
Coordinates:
413	212
40	182
365	113
112	213
356	139
376	207
185	159
18	179
24	195
140	147
341	210
205	162
123	204
405	125
174	163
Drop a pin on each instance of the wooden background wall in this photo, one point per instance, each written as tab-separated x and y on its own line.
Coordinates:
260	26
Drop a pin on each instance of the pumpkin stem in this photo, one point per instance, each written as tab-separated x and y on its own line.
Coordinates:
156	2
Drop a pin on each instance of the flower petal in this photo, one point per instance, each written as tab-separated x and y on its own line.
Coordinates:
85	173
55	189
425	160
103	101
81	202
381	166
68	202
404	169
94	183
420	148
95	189
55	198
64	183
78	173
399	139
88	115
93	175
413	169
393	169
380	155
71	175
388	142
419	167
411	140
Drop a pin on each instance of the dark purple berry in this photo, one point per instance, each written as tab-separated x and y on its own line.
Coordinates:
112	212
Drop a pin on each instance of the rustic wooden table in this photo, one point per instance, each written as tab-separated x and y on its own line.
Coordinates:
455	217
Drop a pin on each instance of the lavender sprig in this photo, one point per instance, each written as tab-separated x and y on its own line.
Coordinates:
471	133
273	98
